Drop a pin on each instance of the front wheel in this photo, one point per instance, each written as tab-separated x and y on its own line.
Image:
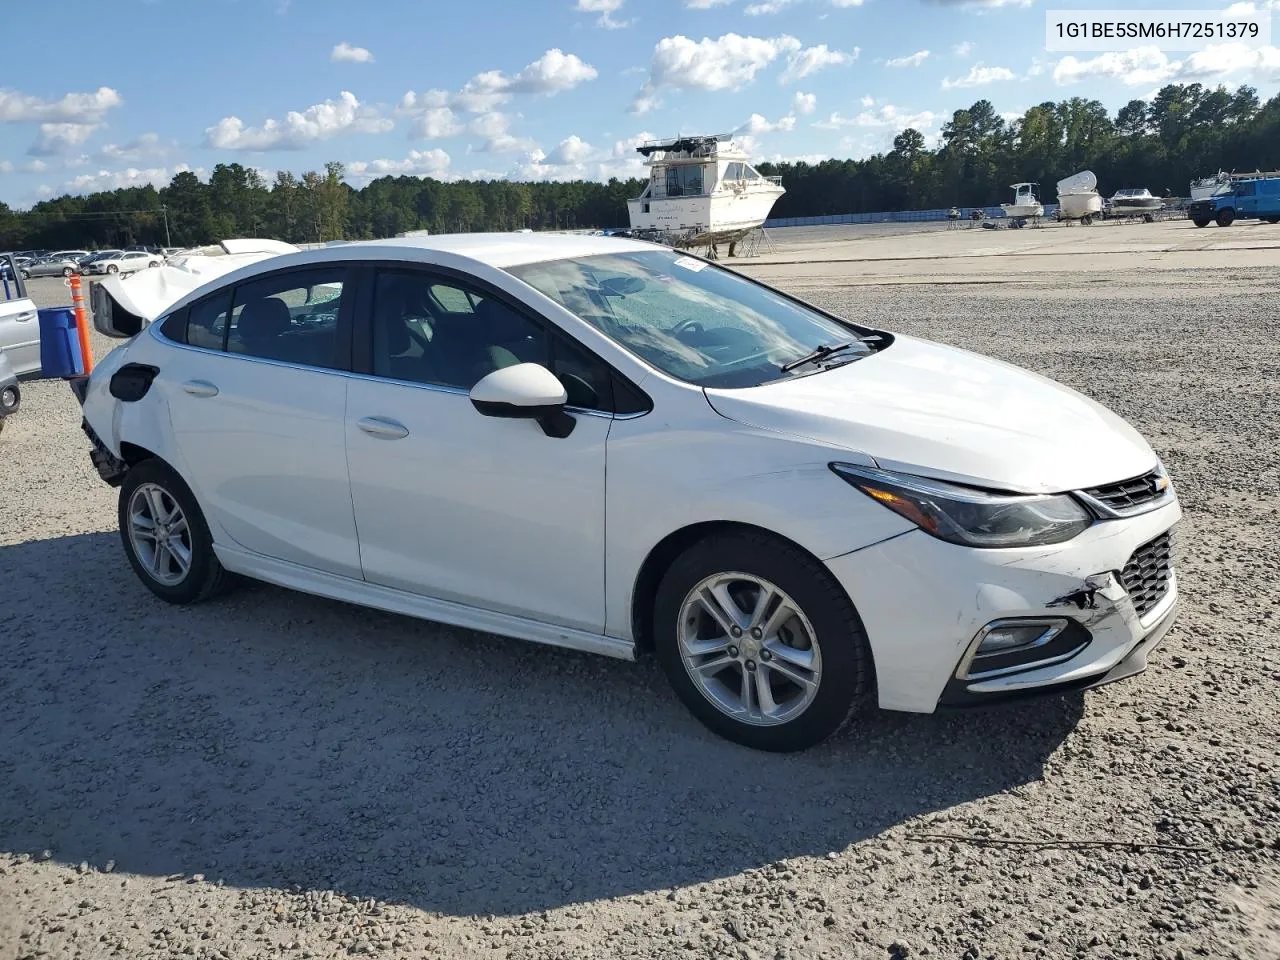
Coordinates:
1201	222
1226	217
165	535
761	643
26	274
112	268
68	271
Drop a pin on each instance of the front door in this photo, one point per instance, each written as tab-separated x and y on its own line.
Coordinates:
258	415
488	512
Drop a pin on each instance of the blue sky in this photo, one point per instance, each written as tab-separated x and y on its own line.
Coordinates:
536	89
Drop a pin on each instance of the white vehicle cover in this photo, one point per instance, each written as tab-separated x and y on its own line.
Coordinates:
123	303
1082	182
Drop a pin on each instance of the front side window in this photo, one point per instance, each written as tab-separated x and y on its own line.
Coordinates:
691	319
428	330
291	317
1246	190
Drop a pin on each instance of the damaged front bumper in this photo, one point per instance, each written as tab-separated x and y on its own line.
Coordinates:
926	606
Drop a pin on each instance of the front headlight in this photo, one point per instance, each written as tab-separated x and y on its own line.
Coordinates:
968	516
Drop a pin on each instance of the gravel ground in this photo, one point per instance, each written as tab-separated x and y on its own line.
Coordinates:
275	775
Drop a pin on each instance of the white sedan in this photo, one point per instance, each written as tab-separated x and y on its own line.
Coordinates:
127	262
608	445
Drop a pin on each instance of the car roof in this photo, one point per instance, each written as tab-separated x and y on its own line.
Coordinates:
503	250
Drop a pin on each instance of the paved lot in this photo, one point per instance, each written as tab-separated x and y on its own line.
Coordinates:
278	775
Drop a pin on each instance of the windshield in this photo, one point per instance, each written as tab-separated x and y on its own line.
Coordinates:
693	320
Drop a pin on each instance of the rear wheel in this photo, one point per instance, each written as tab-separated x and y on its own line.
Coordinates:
1226	217
761	643
166	537
10	400
26	274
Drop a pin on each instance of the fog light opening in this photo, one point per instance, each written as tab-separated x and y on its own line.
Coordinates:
1016	644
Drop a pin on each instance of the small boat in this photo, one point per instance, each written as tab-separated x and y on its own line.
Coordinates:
1130	200
1206	187
1078	197
702	190
1025	203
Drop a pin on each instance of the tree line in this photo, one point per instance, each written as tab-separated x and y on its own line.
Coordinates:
1185	131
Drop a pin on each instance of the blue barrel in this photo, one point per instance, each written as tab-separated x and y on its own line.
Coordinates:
59	343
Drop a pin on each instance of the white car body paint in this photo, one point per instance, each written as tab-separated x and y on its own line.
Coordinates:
541	538
20	334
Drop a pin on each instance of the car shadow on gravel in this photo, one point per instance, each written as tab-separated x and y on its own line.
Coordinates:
271	738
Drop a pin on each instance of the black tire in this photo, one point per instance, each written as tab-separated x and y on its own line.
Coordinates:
10	400
1087	220
205	576
112	268
1272	219
1201	222
847	680
26	275
68	271
1226	217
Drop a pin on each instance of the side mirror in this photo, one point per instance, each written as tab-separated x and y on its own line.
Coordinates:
525	391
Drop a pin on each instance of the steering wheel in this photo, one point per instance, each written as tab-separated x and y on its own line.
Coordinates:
688	326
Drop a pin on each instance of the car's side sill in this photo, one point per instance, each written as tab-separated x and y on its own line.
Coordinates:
291	575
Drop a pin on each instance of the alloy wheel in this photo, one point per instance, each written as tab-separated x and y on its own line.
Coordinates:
160	534
749	649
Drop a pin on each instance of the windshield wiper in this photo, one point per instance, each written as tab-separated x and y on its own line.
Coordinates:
821	353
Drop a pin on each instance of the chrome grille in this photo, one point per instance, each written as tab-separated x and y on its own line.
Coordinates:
1130	496
1147	574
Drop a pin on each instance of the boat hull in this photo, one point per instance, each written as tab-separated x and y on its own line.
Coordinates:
1022	209
1145	205
721	216
1073	206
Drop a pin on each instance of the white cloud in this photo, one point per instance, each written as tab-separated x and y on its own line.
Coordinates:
868	101
963	49
1244	9
646	100
80	108
847	3
980	4
887	116
757	124
435	123
497	137
627	147
914	60
571	150
35	166
130	177
147	145
722	64
6	166
1138	67
804	103
322	121
802	63
606	9
60	138
705	4
419	163
552	73
978	76
767	7
346	53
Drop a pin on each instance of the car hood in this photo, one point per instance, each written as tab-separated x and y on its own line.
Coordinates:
950	414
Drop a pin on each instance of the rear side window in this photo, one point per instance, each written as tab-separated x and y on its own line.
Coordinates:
207	321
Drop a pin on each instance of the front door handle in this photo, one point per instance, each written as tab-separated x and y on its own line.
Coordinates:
383	428
26	317
200	388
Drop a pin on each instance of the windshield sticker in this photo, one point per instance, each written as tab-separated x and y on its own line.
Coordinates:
690	264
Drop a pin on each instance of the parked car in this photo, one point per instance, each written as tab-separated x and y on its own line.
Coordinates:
6	271
1253	199
126	262
601	444
50	267
19	328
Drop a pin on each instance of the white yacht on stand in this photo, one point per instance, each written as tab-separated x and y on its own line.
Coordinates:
1078	197
702	191
1134	200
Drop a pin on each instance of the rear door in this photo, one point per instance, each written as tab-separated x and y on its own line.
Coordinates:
257	401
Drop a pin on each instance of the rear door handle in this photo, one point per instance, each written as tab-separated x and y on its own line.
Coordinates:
383	428
200	388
